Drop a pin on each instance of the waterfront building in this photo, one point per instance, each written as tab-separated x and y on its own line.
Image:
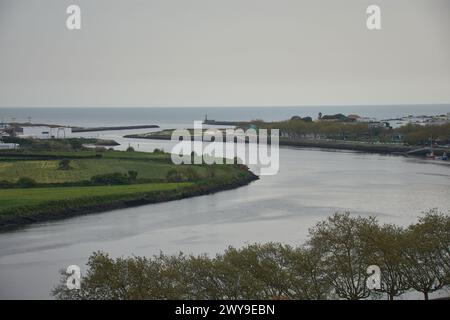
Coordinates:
43	132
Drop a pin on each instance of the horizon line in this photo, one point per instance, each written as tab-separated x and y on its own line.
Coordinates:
247	106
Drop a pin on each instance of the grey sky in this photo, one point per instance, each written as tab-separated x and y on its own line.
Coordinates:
223	53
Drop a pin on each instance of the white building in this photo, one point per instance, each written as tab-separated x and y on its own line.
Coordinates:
43	132
8	146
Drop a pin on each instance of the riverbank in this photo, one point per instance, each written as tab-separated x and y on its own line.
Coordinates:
379	148
34	189
93	129
70	208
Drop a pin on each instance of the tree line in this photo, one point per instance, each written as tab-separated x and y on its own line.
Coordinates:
332	264
412	134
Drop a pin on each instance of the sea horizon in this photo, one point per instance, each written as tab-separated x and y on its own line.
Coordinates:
96	116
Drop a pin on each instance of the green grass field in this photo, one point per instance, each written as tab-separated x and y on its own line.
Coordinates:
148	165
14	198
46	171
59	193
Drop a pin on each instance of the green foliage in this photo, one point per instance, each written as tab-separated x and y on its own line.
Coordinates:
22	202
26	182
110	179
255	271
83	165
132	175
333	262
426	249
383	247
184	174
76	144
4	184
174	175
339	241
64	164
421	135
358	131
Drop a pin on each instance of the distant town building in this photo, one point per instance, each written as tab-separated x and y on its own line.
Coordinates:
43	132
379	124
8	146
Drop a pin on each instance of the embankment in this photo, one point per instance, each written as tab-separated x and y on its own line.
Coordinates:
55	210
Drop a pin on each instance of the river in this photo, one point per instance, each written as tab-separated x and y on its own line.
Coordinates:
311	185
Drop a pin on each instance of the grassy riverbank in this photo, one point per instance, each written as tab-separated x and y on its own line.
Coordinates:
39	186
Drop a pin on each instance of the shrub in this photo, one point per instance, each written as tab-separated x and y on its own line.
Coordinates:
132	175
174	175
64	164
6	184
26	182
192	174
76	144
110	179
100	149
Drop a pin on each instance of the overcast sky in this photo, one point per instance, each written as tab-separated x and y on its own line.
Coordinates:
223	53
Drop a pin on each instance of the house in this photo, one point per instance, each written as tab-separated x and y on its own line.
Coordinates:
43	132
379	124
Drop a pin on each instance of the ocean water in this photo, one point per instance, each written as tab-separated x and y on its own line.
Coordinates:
182	115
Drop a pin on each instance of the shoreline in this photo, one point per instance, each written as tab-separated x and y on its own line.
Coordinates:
72	208
94	129
391	149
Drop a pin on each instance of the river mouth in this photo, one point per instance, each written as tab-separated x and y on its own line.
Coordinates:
311	185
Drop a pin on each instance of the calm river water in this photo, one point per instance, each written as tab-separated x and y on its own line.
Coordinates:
311	185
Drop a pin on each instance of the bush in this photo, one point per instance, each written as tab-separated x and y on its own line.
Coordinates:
174	175
6	184
110	179
132	175
182	175
100	149
26	182
130	149
64	164
76	144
